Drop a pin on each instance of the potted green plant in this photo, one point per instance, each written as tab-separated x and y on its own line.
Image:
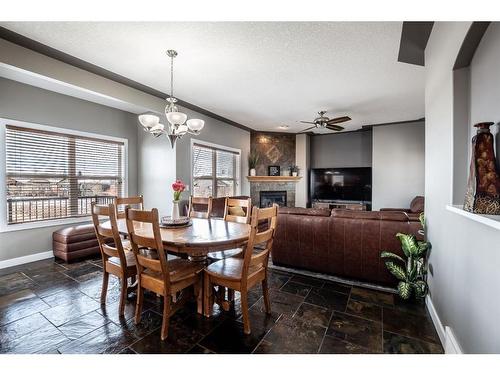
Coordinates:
411	269
294	170
253	159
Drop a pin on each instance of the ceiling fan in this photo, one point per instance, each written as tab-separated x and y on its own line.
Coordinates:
323	122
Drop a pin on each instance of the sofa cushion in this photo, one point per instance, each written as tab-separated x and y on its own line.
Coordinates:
304	211
417	204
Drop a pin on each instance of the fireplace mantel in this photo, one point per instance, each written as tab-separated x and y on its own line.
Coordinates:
274	178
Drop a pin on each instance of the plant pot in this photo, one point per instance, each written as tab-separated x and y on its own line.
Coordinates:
294	174
175	210
252	172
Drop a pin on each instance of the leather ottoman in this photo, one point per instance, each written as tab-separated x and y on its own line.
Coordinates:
75	242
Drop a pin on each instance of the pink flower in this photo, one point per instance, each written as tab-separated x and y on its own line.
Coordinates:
178	186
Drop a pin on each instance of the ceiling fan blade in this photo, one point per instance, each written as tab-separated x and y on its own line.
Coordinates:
312	127
336	128
307	122
338	120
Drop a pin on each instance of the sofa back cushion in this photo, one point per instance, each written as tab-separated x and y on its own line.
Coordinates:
417	204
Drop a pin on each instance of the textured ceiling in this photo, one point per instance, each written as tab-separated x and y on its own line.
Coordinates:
261	75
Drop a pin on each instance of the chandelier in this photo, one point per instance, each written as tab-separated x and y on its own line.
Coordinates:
178	122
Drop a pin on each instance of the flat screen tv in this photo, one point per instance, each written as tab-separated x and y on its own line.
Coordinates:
346	184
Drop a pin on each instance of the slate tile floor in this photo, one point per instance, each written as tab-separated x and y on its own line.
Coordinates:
51	307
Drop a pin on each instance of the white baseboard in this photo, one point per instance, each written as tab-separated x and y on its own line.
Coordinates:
445	333
26	259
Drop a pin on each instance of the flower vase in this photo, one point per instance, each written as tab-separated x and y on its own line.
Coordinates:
294	174
175	210
252	172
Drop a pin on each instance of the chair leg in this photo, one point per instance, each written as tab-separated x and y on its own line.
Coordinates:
207	294
166	317
230	295
244	311
123	294
198	293
265	292
104	291
138	306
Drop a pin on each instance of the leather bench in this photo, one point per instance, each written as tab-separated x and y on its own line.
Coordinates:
75	242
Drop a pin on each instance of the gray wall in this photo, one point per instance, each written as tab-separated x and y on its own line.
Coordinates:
28	103
464	259
398	164
219	133
339	150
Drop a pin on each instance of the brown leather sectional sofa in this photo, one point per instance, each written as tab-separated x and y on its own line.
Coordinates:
341	242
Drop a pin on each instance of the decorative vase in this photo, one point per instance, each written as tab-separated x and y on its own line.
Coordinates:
252	172
294	174
175	210
483	186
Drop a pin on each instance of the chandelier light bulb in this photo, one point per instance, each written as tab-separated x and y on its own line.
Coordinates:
195	124
149	121
176	118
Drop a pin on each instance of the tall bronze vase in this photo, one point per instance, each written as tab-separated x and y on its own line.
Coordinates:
483	186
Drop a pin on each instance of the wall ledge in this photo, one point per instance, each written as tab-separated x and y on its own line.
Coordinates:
492	221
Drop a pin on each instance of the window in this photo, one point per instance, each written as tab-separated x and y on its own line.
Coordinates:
215	170
55	175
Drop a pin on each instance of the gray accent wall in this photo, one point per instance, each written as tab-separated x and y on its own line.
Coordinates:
465	254
398	164
27	103
341	150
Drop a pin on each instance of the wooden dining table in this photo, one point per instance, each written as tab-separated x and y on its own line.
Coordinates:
203	236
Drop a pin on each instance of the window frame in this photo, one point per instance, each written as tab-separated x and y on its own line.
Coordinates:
4	226
213	178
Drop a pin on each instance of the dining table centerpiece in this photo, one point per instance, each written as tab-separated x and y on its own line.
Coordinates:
178	187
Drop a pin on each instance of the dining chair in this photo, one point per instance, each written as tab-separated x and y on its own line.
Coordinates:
242	273
115	259
136	202
155	272
200	201
238	210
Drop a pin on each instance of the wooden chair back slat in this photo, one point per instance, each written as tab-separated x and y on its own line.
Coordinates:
110	250
141	241
235	202
154	245
260	258
263	236
134	202
147	262
200	201
266	237
104	234
267	213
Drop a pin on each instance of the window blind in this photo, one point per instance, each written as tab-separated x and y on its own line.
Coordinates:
52	175
215	171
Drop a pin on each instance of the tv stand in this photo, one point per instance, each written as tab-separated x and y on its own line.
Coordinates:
345	205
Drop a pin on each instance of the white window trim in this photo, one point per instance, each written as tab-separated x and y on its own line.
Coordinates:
4	227
220	147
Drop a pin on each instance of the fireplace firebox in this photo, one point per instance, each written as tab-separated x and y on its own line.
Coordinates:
268	198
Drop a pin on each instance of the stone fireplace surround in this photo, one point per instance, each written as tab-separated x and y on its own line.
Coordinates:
257	187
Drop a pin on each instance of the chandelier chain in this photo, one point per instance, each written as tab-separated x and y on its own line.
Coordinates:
171	76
